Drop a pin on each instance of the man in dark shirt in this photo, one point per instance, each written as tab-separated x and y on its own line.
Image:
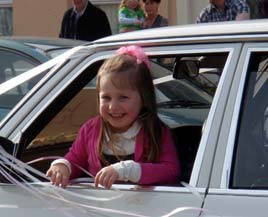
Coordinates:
84	22
224	10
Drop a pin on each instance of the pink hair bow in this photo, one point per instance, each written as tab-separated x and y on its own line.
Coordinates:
137	52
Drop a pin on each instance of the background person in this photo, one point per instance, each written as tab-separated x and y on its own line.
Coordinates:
224	10
84	22
263	9
130	16
152	17
127	142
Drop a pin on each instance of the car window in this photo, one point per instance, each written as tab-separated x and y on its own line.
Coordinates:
183	105
251	157
10	98
13	64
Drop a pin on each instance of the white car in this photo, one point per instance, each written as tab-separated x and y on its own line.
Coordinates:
211	83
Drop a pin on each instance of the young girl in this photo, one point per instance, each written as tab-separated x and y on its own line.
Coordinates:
130	16
127	142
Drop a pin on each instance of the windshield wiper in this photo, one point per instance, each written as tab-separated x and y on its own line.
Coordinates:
182	103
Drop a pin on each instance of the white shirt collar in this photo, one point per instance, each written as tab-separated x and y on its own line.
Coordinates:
130	133
126	140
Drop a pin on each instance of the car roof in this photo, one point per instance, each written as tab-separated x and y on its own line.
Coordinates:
25	49
196	33
46	44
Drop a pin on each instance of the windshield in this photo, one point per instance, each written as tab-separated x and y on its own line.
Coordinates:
170	90
180	102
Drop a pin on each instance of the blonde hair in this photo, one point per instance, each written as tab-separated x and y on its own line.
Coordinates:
127	73
123	4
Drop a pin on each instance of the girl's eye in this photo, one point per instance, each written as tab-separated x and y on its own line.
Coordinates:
105	98
124	97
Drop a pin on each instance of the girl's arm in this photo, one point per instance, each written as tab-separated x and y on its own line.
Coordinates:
77	155
61	169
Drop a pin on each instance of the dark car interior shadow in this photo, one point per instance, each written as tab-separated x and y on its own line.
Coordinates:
187	140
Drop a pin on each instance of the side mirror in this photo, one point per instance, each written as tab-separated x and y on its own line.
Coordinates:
186	67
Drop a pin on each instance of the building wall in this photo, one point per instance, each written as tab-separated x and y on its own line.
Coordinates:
38	17
168	9
188	10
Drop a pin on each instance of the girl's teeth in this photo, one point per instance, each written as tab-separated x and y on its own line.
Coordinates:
117	115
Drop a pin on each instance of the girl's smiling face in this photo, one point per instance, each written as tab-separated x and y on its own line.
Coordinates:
119	107
132	4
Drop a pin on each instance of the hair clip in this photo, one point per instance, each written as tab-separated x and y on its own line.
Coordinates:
137	52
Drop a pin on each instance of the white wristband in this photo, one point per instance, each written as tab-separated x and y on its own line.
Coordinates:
128	170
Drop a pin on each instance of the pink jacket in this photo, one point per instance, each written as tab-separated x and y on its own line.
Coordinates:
84	153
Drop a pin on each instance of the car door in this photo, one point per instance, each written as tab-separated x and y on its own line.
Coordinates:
239	181
54	101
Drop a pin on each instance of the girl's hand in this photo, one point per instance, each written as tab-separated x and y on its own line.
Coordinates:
59	175
106	177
